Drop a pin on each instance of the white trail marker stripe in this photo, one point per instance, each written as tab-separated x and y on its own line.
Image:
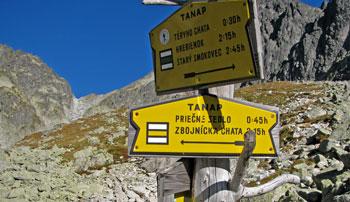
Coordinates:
157	140
166	53
155	126
167	66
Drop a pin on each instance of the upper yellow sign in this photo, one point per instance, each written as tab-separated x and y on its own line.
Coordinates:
205	44
203	126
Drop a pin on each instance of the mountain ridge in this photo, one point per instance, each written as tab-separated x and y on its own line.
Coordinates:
33	97
56	147
293	34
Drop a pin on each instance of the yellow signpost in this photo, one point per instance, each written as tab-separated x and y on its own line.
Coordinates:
183	197
206	44
203	126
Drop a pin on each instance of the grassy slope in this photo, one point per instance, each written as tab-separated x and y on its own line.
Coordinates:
75	136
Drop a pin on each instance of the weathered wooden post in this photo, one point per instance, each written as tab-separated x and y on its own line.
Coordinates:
173	180
211	176
243	163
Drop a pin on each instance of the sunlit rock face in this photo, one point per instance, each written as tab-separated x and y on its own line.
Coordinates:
306	43
85	157
32	96
300	43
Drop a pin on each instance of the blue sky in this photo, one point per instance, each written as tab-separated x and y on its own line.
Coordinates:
98	46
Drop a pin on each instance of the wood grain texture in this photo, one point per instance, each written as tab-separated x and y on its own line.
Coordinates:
175	179
163	2
211	176
270	186
243	162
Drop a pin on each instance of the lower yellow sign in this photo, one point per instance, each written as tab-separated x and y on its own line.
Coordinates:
203	126
183	197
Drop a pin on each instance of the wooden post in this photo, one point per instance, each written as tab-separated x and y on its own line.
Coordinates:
163	2
211	176
173	180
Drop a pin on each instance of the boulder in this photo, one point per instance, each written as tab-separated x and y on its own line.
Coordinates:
315	114
345	158
93	141
326	174
3	162
310	195
17	193
319	158
326	146
91	158
338	152
342	198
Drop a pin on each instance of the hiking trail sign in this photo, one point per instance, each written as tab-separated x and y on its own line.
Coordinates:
205	44
203	126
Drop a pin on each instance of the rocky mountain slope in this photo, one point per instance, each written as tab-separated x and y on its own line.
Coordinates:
69	149
300	43
315	140
82	160
86	159
32	96
305	43
139	93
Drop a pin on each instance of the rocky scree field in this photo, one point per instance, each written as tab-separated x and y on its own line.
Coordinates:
87	159
55	147
315	140
83	160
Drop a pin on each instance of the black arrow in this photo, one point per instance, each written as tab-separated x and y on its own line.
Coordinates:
193	74
237	143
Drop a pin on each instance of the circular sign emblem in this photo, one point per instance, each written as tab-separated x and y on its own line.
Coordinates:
164	36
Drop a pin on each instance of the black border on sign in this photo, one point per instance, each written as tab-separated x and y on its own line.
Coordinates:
218	83
200	155
172	58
